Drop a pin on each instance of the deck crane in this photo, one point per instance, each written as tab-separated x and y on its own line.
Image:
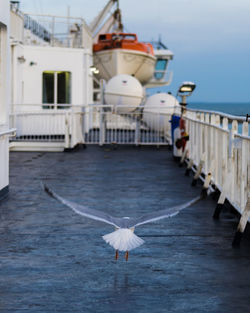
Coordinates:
102	24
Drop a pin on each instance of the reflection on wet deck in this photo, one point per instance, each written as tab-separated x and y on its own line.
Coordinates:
55	261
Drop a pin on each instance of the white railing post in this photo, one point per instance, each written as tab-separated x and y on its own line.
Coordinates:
224	150
223	195
200	135
206	139
102	120
212	147
244	167
137	131
232	158
242	224
76	127
225	171
217	147
102	127
67	132
189	167
199	170
208	179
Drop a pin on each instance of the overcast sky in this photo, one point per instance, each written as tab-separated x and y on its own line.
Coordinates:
210	38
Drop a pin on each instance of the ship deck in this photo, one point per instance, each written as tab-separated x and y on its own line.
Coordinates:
53	260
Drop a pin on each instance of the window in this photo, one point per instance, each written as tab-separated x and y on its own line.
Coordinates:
130	37
160	68
56	88
102	37
48	87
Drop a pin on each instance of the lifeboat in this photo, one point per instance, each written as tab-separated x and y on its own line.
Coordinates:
122	53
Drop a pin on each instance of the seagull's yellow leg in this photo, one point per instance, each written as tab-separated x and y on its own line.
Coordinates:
116	254
126	255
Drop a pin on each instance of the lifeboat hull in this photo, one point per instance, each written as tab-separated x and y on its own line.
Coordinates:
124	61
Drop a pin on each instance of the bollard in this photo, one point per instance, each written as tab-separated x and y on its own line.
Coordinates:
198	172
242	225
189	167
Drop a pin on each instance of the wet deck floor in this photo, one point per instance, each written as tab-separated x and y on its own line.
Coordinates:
53	260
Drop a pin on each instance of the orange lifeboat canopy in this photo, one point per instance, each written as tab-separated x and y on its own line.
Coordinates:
121	41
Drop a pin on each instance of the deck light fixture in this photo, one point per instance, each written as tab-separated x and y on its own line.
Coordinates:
21	59
185	90
94	70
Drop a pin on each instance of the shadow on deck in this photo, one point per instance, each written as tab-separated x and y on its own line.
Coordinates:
53	260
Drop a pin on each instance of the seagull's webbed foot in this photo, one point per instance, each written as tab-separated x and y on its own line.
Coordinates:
126	256
116	254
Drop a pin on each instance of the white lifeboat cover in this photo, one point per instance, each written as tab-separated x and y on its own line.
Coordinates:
161	103
158	110
123	89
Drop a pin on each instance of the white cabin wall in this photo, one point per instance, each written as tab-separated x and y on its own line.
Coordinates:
16	26
87	90
27	88
17	75
5	12
32	39
4	95
87	39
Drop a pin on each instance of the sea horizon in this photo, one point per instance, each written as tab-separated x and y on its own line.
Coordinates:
234	108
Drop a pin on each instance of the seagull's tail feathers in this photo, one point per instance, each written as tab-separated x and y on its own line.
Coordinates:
123	239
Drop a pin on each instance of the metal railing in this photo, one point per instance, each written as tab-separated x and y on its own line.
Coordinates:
107	124
224	148
62	31
92	124
230	117
8	132
47	126
222	141
219	142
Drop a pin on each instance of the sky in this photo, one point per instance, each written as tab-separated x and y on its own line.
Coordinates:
210	39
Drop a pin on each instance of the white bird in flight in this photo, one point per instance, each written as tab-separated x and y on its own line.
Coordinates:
123	238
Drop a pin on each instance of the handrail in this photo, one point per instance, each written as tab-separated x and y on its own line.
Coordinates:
91	105
7	132
225	157
222	114
229	116
207	124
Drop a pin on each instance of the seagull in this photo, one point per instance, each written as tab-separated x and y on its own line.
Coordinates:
123	238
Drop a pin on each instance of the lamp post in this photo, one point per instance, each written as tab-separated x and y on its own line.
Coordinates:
184	91
180	135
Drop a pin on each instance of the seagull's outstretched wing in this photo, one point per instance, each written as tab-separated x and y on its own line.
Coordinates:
83	210
155	216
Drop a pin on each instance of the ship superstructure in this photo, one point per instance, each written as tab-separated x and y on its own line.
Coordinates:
5	92
59	64
49	100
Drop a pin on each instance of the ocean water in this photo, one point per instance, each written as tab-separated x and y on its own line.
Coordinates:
234	108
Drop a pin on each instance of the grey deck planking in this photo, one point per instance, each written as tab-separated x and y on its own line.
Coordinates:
53	260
